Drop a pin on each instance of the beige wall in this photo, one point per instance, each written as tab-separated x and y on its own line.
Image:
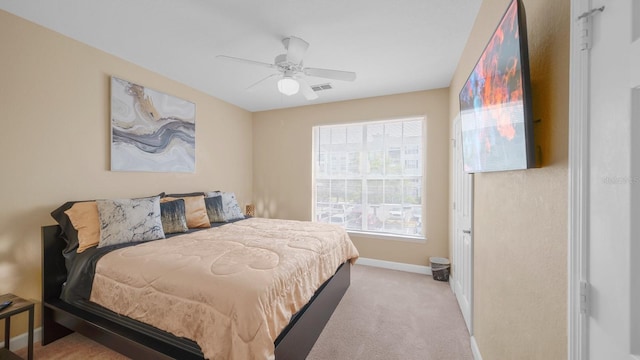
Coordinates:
520	229
282	165
54	142
54	147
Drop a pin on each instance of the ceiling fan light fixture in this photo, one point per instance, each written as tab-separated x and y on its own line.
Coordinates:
290	70
288	86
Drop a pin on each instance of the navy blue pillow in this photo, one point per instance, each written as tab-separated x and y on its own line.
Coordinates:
214	209
173	216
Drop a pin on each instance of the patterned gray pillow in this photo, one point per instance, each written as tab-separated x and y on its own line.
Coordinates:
230	206
174	218
129	220
214	209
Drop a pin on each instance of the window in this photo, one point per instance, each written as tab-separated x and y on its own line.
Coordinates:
368	176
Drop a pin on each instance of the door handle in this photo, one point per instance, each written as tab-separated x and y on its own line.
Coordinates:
466	231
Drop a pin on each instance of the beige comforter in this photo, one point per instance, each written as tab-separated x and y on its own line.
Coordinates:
232	289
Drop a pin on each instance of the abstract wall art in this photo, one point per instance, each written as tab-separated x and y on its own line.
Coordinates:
150	130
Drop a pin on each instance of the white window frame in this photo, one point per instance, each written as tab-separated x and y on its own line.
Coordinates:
420	156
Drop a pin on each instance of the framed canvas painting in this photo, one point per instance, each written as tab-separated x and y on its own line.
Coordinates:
150	130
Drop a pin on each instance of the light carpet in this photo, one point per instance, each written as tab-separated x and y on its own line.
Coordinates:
385	314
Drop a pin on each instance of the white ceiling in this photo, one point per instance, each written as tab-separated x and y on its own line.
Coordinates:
394	46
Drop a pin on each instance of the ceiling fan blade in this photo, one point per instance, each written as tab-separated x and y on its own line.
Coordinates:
306	90
331	74
296	48
245	61
255	84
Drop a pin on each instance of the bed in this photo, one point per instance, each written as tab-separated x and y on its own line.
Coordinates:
280	320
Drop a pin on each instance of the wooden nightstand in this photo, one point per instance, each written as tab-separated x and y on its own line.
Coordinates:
19	305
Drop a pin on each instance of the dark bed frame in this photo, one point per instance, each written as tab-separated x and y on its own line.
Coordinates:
60	318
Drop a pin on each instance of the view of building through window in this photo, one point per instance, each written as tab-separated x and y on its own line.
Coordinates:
368	176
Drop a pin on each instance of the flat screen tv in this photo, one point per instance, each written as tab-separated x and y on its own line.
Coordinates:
495	102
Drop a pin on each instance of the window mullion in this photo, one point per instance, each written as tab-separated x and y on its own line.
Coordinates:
364	158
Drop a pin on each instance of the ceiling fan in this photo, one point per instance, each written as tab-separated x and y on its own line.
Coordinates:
291	70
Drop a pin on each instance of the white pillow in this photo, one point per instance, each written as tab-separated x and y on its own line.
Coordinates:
129	220
230	206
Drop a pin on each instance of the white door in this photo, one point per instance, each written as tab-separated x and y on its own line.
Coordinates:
462	235
613	264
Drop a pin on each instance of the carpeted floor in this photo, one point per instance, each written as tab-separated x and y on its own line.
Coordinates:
390	315
385	314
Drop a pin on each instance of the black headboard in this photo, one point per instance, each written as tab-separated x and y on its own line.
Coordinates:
54	271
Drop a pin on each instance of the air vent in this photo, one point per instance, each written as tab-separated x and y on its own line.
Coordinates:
321	87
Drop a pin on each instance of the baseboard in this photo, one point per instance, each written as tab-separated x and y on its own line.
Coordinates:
474	349
425	270
20	341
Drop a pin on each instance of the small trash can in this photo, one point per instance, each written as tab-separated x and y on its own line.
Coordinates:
440	268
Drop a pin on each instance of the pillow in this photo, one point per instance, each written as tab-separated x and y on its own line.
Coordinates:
195	210
69	233
84	218
173	216
215	211
230	206
129	220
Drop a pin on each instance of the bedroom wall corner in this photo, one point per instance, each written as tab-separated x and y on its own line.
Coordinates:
55	143
282	165
520	224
